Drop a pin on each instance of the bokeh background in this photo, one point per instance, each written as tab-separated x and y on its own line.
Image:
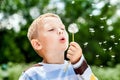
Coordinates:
99	33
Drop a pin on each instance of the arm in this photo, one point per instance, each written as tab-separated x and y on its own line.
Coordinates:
81	68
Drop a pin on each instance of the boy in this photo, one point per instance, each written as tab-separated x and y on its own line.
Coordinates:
49	39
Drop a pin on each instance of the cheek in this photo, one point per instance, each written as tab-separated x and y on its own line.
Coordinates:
67	37
48	40
43	40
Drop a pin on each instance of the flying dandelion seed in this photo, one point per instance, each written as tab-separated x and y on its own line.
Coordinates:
104	42
116	43
100	43
73	2
112	57
110	48
109	22
97	56
91	30
104	49
101	27
112	36
101	66
109	6
85	44
110	28
103	18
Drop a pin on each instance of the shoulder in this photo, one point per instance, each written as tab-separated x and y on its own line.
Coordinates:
33	68
32	72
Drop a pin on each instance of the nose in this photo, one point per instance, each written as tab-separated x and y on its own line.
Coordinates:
60	31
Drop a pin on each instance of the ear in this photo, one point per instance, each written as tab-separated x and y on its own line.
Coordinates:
36	44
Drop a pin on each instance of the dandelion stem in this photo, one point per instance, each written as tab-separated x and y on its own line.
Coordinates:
73	37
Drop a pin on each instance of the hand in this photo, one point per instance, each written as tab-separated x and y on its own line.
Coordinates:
74	52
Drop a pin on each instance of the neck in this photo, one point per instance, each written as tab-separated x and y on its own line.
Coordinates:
54	58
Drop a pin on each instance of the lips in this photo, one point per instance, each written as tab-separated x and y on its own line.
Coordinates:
62	39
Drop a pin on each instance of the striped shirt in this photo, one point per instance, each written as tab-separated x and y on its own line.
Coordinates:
56	72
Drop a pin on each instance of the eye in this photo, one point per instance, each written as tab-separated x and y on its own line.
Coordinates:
62	28
51	29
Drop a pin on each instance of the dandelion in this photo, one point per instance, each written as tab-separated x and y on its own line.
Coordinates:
73	29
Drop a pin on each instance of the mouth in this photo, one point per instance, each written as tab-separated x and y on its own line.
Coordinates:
62	39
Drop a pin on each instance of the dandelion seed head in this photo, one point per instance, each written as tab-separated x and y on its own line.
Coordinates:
73	28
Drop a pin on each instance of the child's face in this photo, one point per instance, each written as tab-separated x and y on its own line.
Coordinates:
52	35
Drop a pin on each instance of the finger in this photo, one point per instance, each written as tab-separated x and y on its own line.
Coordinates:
70	52
76	45
72	48
69	56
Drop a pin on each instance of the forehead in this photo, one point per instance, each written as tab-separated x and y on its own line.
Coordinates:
52	21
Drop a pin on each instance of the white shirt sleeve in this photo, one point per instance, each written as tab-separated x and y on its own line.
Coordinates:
78	64
87	74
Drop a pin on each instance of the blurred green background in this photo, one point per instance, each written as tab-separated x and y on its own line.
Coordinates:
99	33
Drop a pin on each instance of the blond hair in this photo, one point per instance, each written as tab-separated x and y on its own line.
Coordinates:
33	29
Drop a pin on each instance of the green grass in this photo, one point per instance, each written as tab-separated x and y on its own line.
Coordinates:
13	71
105	73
